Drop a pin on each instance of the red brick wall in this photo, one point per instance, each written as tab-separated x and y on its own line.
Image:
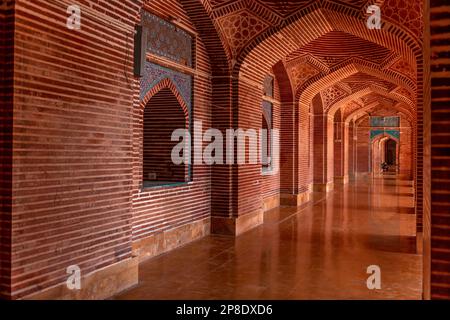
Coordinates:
163	114
6	110
72	140
161	209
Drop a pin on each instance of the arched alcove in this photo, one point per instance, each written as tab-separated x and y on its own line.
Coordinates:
162	115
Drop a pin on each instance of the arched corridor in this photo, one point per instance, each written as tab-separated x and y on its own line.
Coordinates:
224	149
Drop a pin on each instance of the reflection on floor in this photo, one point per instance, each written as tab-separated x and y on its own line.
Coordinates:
318	251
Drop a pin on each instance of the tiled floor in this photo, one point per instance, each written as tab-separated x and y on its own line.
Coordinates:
319	251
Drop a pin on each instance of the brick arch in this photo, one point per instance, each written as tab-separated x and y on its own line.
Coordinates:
318	21
284	82
200	15
381	139
165	84
366	67
314	21
296	147
385	136
360	113
367	90
318	83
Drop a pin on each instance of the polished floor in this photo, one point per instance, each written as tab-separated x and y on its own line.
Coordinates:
318	251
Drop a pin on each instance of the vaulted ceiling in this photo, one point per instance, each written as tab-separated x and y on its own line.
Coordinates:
243	24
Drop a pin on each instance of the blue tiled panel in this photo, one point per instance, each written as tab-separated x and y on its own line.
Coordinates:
166	40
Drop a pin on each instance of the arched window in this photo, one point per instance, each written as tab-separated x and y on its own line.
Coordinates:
163	114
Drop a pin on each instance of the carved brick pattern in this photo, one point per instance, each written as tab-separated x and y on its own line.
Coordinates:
330	95
404	68
405	93
302	72
104	102
239	28
408	13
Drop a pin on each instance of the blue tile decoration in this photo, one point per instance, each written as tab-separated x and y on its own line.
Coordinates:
153	74
167	40
384	121
376	132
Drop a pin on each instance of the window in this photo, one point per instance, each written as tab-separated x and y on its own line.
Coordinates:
163	114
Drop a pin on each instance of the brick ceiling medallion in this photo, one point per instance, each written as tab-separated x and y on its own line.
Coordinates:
239	28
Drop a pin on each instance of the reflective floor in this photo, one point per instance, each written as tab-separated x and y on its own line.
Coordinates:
319	251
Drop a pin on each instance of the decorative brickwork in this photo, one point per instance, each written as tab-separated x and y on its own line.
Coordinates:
239	28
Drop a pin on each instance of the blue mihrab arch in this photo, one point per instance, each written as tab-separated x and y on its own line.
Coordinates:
376	132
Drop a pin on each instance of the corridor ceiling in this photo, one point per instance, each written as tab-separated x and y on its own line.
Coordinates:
317	40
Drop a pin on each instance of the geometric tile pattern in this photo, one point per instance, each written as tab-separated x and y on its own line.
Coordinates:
166	40
153	74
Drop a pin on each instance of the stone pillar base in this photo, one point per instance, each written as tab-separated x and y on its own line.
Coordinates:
271	202
295	200
98	285
168	240
236	225
323	187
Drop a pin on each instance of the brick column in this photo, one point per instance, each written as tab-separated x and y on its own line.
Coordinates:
294	144
6	120
223	190
323	153
236	197
350	154
340	138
